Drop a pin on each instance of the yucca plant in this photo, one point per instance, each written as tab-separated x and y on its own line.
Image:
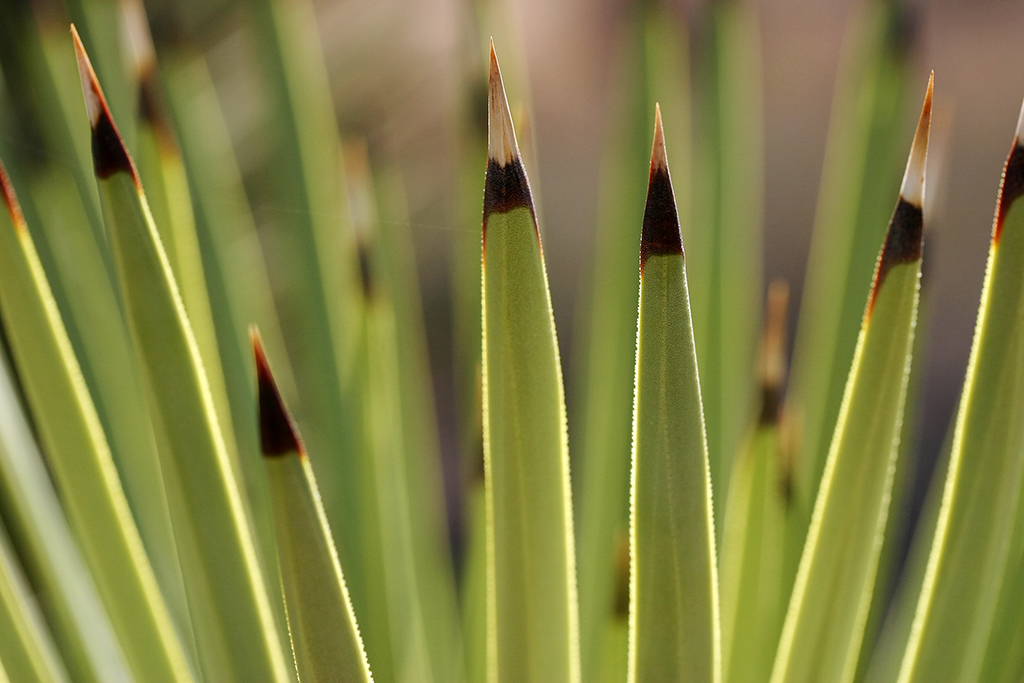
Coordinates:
219	452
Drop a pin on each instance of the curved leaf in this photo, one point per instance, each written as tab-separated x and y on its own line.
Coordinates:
233	620
824	630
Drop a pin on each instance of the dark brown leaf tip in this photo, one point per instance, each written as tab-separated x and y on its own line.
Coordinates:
109	154
903	243
11	201
506	186
278	435
1012	186
365	260
661	233
772	358
904	239
153	112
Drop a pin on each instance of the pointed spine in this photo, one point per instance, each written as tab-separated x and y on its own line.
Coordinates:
109	154
661	233
278	436
904	239
773	353
507	186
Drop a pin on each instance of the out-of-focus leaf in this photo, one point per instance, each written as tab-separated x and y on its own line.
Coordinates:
423	476
302	214
473	594
725	278
239	288
754	583
467	371
162	170
26	649
401	443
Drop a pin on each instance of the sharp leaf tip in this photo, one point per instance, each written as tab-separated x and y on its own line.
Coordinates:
94	101
659	158
501	135
912	189
660	234
278	436
109	154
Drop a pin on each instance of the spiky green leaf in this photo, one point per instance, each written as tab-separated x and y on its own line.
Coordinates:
674	631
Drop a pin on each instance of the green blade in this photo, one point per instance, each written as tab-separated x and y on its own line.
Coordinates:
824	630
80	456
400	455
973	562
52	559
473	591
904	554
324	633
162	171
26	646
887	656
674	631
233	620
754	582
466	340
371	603
653	60
531	615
